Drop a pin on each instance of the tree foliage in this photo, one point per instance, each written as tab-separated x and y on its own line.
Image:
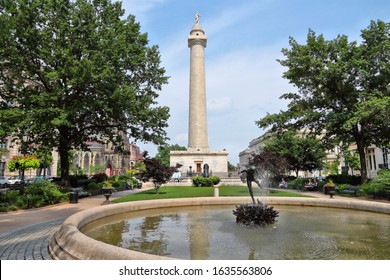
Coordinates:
163	153
154	170
303	153
44	156
23	163
78	71
267	162
343	89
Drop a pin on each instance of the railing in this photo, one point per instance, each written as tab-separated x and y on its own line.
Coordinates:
219	174
185	181
384	166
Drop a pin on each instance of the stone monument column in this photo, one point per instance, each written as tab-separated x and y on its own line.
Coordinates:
198	153
197	132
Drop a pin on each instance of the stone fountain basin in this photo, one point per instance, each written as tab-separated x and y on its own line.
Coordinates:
68	243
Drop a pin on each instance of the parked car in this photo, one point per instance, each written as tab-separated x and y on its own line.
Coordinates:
4	182
16	179
39	178
176	176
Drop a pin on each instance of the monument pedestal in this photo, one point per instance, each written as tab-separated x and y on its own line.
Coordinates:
193	161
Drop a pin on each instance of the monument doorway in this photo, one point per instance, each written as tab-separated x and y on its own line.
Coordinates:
198	167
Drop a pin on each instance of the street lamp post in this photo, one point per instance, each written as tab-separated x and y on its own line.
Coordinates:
24	153
44	163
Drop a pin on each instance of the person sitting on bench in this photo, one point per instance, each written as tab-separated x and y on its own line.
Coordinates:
309	186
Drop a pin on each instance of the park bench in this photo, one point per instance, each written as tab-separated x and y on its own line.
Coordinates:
80	191
353	190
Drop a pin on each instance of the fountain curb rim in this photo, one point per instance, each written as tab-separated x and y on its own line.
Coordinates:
69	243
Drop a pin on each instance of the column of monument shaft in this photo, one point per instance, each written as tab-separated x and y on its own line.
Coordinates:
197	129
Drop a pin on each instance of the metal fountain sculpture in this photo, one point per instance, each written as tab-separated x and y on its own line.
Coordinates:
258	213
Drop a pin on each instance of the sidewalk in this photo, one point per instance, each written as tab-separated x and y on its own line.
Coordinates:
24	234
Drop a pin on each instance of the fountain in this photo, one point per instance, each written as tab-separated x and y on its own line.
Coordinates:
258	214
255	214
69	242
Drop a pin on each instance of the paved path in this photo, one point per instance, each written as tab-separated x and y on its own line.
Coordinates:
24	235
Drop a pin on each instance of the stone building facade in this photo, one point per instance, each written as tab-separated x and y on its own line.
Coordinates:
104	156
13	147
377	158
99	155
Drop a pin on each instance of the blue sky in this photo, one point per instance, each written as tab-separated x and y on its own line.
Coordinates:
243	79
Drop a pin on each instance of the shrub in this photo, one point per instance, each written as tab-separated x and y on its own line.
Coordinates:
341	187
215	180
91	186
12	208
379	186
44	193
116	184
75	180
3	207
11	200
297	184
133	183
113	178
124	177
9	197
345	179
320	185
205	181
22	202
100	177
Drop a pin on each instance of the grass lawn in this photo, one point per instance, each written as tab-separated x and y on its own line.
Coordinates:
185	192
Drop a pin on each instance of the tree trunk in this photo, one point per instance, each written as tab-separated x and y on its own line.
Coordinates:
64	161
362	157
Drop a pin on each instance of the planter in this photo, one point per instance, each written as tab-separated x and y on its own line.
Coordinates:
328	189
107	192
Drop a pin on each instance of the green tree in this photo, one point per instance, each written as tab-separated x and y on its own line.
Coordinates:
231	167
303	153
351	159
267	164
78	71
97	169
332	167
154	170
45	157
343	89
163	153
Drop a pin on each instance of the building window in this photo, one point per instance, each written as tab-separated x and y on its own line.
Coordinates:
3	145
370	161
385	159
2	168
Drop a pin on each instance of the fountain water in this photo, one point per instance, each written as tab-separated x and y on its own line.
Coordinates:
300	234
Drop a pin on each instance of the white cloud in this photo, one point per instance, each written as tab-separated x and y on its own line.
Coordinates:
219	104
248	77
242	86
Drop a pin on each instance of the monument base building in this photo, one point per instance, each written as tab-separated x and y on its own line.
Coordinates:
194	161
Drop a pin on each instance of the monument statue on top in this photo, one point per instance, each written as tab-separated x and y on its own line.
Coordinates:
197	15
